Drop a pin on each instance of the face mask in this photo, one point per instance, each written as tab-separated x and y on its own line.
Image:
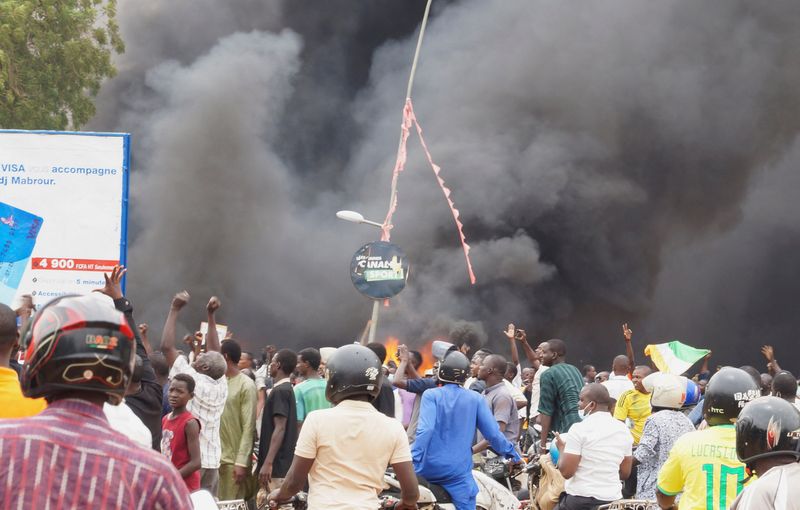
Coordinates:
583	413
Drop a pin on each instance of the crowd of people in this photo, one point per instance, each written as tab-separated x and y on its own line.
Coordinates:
95	416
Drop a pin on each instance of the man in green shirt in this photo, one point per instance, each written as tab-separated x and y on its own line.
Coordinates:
237	429
309	394
561	386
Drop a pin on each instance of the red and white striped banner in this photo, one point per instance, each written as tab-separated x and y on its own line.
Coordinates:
409	119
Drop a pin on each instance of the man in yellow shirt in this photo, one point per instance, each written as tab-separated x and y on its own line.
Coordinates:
633	407
703	465
12	403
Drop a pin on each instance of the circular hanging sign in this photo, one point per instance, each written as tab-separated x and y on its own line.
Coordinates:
379	270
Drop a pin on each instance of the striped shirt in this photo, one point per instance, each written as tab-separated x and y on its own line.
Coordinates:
68	457
207	405
560	386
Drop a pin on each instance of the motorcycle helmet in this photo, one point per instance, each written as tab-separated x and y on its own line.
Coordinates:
767	427
78	343
726	394
454	368
352	370
671	391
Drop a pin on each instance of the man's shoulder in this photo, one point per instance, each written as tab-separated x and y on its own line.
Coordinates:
626	397
562	370
182	366
284	390
499	390
245	382
621	427
687	440
548	374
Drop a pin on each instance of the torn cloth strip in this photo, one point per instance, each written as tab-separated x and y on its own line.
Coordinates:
410	119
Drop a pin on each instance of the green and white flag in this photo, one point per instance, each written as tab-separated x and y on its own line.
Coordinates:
674	357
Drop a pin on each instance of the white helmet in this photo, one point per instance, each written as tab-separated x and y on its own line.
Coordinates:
670	391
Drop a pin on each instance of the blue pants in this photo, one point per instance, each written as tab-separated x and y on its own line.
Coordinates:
463	491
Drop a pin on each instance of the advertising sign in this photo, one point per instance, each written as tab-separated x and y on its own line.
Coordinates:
63	212
379	270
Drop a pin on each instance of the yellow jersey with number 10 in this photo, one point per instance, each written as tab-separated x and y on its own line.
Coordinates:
703	466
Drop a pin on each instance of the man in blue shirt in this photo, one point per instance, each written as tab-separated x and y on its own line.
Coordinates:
449	415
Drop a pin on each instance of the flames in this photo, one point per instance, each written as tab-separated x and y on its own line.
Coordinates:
393	343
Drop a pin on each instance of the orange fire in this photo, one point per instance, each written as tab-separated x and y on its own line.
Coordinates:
427	357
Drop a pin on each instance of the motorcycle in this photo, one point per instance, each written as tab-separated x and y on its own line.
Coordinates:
492	495
630	504
203	500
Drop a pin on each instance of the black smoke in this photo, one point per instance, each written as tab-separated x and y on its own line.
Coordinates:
613	162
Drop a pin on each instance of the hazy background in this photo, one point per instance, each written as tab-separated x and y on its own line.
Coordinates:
612	161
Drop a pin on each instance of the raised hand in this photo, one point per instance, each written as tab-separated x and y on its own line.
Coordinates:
113	286
143	329
626	332
768	353
213	304
179	300
402	353
26	308
510	332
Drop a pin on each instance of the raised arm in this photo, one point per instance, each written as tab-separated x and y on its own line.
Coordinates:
405	370
113	289
168	333
628	334
25	311
510	333
772	364
143	330
522	337
212	338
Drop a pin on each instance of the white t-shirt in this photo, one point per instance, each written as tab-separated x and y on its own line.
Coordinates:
261	377
352	445
777	489
602	442
617	385
123	420
536	390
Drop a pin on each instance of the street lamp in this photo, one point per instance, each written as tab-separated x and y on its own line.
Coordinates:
356	217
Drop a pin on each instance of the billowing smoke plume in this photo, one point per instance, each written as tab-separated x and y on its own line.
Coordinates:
613	162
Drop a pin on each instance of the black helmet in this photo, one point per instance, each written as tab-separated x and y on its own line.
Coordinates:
78	343
726	394
353	370
454	369
767	427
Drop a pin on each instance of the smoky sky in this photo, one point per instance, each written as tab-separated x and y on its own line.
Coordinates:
612	161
